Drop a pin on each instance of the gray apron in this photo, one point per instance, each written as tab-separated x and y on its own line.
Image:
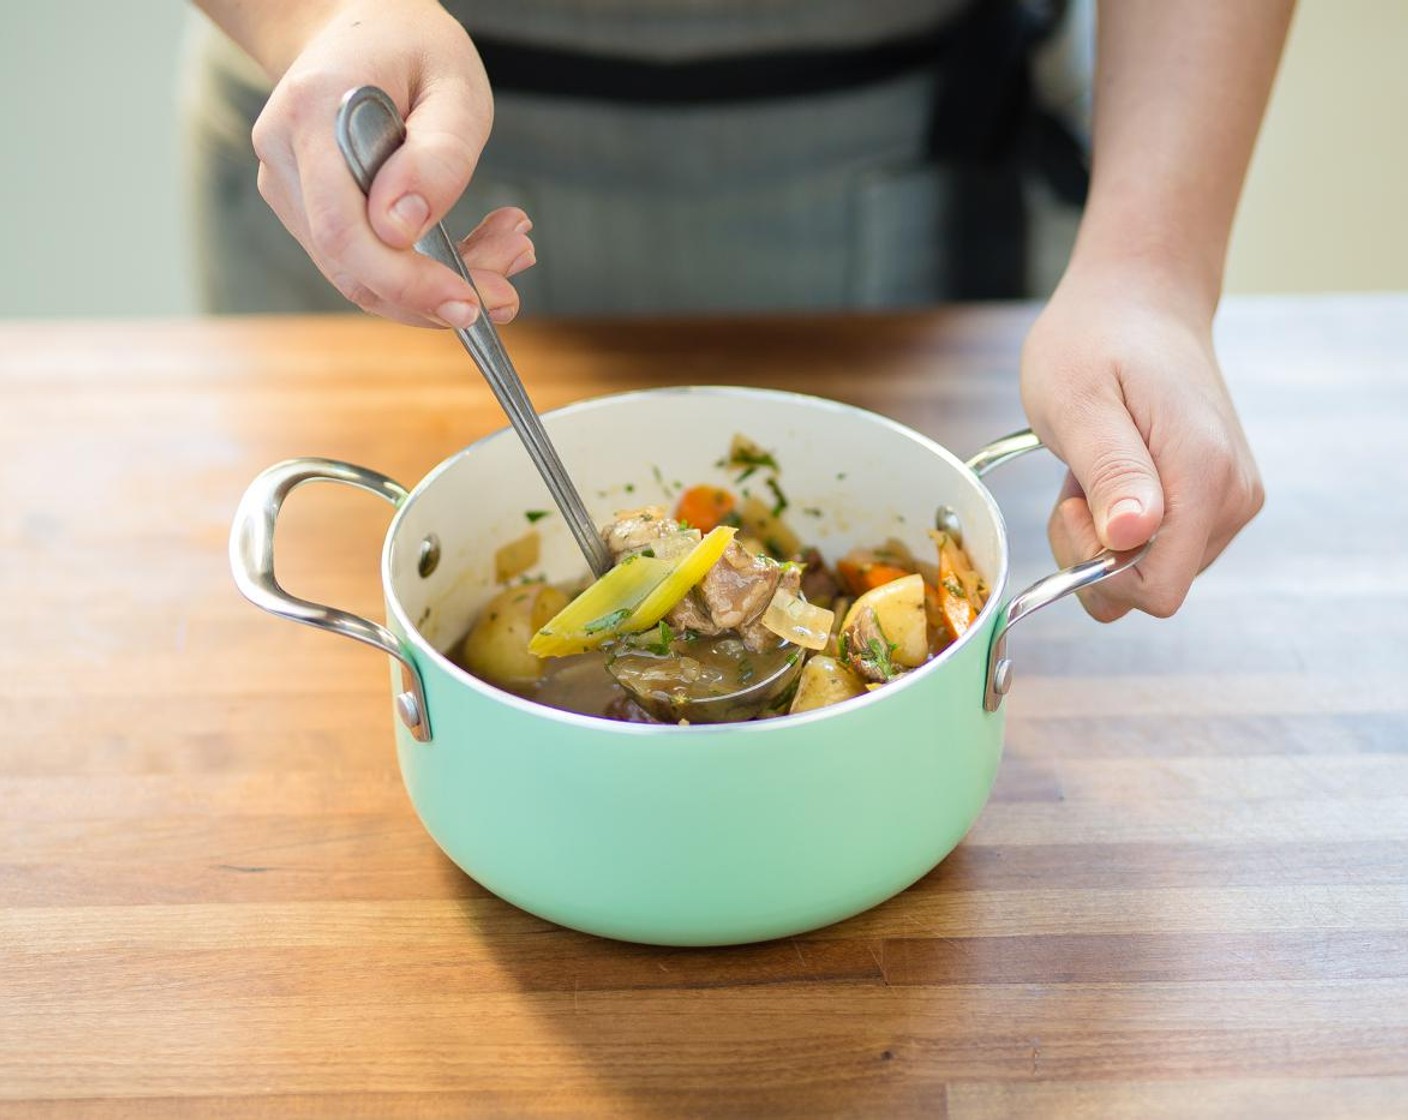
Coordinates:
825	202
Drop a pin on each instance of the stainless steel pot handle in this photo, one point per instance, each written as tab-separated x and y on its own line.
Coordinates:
1044	591
252	562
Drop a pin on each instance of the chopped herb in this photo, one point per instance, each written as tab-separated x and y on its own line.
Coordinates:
954	588
746	670
877	655
747	474
607	621
731	518
664	636
648	552
841	477
843	647
812	511
792	657
751	455
780	502
535	515
685	524
630	488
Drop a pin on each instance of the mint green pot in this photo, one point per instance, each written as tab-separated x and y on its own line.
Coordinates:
701	835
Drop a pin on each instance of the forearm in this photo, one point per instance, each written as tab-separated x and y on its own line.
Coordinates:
1180	89
270	31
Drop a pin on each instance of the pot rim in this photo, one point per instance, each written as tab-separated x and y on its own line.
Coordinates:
424	649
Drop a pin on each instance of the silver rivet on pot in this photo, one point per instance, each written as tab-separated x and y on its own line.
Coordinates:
946	521
1002	677
408	709
429	555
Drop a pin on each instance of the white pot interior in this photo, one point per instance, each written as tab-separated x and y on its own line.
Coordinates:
868	477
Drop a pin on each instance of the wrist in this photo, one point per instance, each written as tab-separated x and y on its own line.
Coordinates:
275	32
1141	262
1159	256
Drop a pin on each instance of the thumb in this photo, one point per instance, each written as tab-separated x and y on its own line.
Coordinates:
1109	460
446	130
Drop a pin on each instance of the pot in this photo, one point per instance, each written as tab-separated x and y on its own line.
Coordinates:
693	835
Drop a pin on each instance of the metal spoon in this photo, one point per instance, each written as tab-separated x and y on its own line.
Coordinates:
369	130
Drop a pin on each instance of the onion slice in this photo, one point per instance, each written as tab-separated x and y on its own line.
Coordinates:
793	619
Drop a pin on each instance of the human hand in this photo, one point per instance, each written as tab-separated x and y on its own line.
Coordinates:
423	59
1119	379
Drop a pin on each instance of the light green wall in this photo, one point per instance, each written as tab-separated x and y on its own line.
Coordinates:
89	220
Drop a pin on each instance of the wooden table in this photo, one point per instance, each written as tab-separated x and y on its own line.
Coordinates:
1189	895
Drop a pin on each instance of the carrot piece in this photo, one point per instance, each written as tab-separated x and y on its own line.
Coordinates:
860	576
934	608
703	507
958	613
955	611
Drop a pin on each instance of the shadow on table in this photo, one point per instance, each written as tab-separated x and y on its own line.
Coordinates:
808	1025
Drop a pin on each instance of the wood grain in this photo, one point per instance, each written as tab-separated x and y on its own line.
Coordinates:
1188	896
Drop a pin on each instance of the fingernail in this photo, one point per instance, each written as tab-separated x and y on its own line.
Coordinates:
501	314
457	313
410	212
1132	507
523	227
525	259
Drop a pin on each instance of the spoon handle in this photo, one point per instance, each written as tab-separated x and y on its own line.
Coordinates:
369	130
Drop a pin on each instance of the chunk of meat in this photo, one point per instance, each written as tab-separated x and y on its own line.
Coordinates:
635	529
819	586
690	614
867	649
738	588
627	710
733	595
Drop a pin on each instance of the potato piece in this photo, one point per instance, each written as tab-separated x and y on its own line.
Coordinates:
898	608
516	557
496	649
824	681
757	520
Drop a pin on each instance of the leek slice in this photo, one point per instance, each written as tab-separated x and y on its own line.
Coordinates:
678	583
631	597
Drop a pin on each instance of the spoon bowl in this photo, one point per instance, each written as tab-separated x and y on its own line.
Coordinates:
707	680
